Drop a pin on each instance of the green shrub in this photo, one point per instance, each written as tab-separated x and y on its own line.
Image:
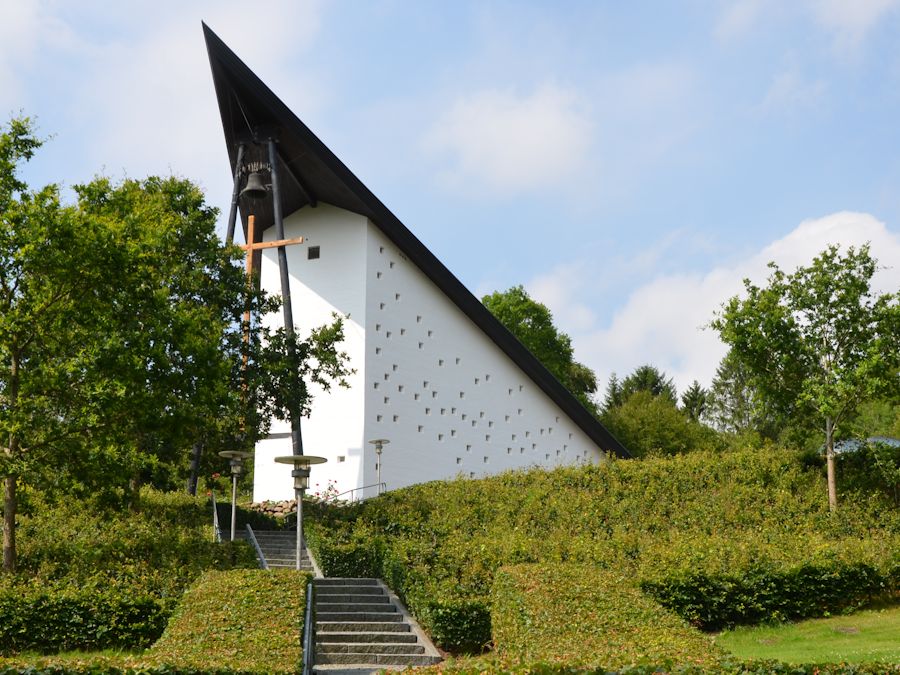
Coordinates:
761	593
714	518
241	620
46	618
578	614
94	579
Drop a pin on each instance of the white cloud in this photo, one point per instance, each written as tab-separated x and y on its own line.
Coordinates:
509	142
789	92
851	20
738	18
662	321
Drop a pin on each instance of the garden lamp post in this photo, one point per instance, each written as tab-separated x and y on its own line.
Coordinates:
301	464
379	443
236	461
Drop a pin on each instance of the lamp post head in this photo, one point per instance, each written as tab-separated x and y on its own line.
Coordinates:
379	443
301	464
235	460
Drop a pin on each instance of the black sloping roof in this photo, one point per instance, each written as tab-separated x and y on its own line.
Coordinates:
310	172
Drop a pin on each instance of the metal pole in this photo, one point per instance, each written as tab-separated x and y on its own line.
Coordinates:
378	452
287	307
233	503
235	195
298	493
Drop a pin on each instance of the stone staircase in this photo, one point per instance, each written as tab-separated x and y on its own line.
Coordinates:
278	547
361	626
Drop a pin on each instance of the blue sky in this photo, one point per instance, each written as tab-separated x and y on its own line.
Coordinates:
628	163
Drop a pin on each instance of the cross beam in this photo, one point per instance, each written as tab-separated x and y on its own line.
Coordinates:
250	246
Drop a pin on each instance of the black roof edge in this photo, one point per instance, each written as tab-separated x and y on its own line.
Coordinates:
416	251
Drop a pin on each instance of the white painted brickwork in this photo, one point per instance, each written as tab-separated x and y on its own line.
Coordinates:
450	401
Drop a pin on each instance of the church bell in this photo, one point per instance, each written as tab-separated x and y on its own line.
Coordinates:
255	188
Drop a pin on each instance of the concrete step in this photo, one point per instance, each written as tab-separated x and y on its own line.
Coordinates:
362	659
370	648
328	591
378	617
364	637
361	626
355	606
354	598
346	581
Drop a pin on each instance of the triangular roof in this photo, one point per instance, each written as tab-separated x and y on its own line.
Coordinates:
312	173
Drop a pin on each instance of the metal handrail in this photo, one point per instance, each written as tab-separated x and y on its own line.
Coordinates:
217	531
309	656
263	563
382	485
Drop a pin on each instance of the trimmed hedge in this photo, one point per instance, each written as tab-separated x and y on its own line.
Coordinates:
242	620
478	666
722	539
763	593
50	618
583	615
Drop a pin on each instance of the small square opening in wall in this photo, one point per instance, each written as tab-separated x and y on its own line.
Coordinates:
452	411
485	460
341	458
377	418
396	418
462	394
402	331
381	249
418	318
509	391
380	305
521	451
509	451
434	394
527	434
557	453
377	275
415	397
394	367
313	253
487	437
513	437
443	411
387	376
474	422
481	414
453	433
387	334
547	456
375	385
464	416
477	380
387	400
430	333
377	327
521	387
424	384
400	388
420	428
396	296
506	418
421	345
457	360
519	411
440	437
471	474
440	362
459	460
468	448
391	264
490	424
427	411
377	351
487	378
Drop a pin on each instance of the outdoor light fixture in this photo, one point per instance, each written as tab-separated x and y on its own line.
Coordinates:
236	461
379	443
301	464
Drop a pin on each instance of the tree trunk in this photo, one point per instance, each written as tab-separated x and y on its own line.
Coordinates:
196	453
829	463
10	506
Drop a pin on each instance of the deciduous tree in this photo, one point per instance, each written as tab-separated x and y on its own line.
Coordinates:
532	323
819	338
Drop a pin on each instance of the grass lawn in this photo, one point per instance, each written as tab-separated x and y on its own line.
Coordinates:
866	636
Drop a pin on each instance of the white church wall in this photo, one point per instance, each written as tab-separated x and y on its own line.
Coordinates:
334	282
450	401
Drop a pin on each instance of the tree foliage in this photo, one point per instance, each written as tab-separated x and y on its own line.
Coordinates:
817	340
652	425
694	401
532	323
647	378
121	335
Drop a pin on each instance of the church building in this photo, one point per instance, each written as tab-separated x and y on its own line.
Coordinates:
436	375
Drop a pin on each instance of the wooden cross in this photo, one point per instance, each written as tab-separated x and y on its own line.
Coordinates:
250	247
